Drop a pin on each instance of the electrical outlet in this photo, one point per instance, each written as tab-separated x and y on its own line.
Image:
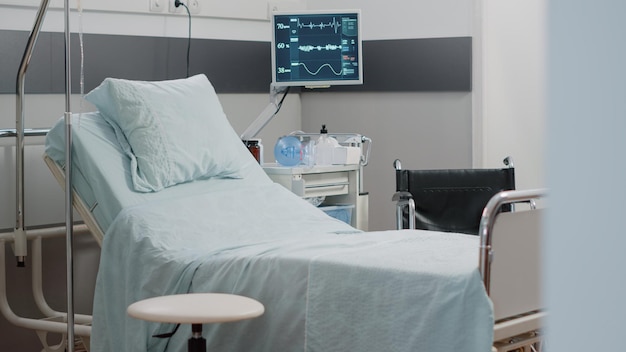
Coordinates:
173	8
157	5
193	5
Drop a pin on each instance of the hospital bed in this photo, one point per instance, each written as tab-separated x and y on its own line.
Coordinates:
325	285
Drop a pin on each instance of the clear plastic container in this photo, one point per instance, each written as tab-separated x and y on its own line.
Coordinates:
308	153
324	148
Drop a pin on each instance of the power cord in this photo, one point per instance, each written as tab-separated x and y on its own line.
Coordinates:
280	104
178	3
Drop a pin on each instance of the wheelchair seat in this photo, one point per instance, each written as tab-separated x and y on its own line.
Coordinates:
449	200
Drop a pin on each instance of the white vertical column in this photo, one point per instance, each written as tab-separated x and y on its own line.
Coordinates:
509	104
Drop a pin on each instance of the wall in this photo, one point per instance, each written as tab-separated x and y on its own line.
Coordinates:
424	129
504	113
502	116
421	19
134	18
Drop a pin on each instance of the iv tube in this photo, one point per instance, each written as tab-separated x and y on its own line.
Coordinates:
82	61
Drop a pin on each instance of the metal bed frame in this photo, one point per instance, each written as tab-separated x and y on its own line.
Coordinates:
518	326
519	333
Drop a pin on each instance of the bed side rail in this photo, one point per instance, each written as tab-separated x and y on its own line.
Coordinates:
488	221
510	264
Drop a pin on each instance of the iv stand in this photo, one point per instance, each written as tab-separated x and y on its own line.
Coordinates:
20	235
69	222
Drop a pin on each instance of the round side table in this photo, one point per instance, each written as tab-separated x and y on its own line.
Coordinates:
196	309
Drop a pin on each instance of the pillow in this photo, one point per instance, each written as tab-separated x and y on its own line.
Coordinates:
173	131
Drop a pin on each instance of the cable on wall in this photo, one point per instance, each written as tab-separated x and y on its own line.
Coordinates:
178	3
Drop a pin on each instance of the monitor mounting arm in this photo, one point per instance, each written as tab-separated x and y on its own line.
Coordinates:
277	94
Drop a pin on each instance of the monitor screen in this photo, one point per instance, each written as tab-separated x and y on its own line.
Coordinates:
316	49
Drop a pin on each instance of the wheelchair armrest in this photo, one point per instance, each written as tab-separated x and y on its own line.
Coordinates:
401	196
403	199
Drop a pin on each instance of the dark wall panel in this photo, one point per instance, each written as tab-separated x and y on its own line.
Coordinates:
232	66
432	64
415	65
440	64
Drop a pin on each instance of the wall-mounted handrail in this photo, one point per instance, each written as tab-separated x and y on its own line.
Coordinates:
28	132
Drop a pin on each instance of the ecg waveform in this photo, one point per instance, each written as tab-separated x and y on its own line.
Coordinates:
334	24
328	47
316	72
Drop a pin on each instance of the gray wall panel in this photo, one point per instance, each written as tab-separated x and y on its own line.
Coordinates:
416	65
12	46
410	65
232	66
125	57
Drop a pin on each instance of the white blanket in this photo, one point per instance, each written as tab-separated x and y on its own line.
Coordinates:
325	286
